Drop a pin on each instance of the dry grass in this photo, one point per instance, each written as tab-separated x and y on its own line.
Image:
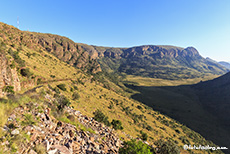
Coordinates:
145	81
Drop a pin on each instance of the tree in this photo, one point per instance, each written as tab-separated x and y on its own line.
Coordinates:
133	147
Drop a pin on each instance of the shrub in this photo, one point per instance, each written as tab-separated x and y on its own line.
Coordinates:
149	128
12	65
56	89
8	89
29	120
28	54
167	147
184	140
117	124
75	96
39	80
17	58
62	87
75	87
62	102
133	147
139	107
26	72
100	117
144	136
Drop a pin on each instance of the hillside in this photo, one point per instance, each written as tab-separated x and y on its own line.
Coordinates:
52	90
62	47
214	96
204	107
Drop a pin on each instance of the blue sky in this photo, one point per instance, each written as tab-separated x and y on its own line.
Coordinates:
203	24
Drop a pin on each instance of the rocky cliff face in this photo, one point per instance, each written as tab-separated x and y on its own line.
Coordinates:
160	51
167	62
8	76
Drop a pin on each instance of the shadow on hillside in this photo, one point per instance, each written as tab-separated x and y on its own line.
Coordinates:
182	103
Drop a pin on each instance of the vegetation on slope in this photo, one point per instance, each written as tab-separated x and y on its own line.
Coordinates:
87	94
135	118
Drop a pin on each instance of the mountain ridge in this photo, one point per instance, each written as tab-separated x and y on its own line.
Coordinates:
157	61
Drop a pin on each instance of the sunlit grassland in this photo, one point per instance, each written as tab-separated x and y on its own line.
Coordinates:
146	81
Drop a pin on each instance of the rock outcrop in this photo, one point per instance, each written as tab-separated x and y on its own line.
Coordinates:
59	137
8	76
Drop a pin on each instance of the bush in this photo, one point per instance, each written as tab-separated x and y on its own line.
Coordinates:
56	89
17	58
144	136
133	147
139	107
52	76
100	117
62	87
167	147
29	120
62	102
75	87
8	89
12	65
26	72
149	128
117	124
39	80
75	96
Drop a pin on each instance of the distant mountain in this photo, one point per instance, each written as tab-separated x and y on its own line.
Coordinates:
166	62
225	64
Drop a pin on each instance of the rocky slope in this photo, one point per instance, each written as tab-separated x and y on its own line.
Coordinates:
9	80
48	135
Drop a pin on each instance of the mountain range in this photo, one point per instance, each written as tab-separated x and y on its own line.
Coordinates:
35	65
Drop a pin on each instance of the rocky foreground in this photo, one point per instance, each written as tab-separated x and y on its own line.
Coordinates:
41	132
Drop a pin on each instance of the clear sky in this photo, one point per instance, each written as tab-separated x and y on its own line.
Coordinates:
203	24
